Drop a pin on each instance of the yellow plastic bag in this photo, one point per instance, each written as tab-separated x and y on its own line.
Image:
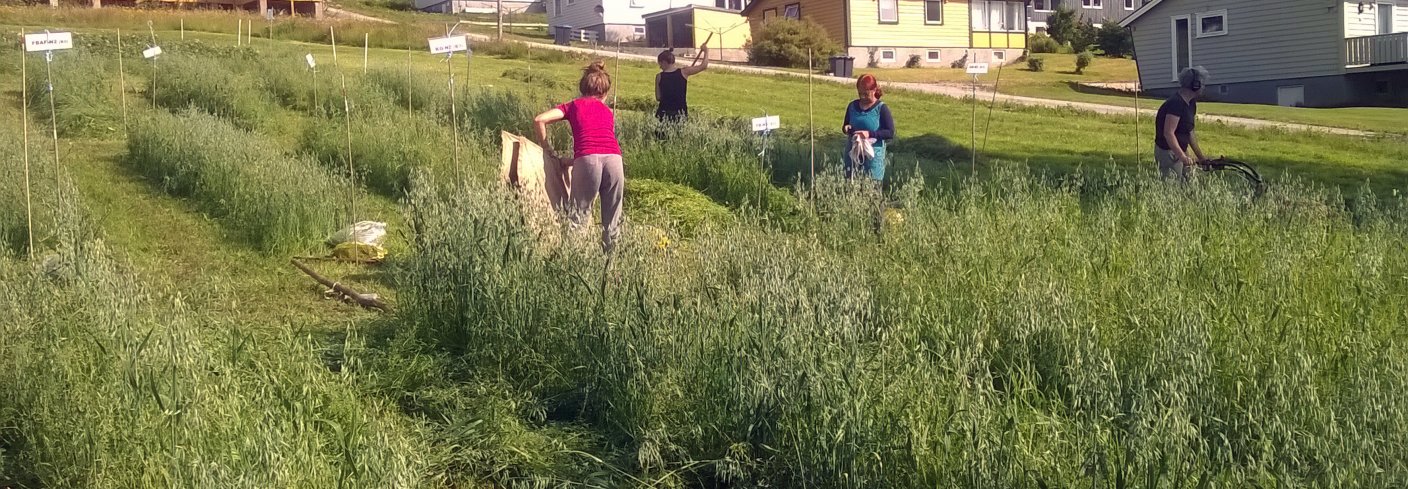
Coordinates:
359	252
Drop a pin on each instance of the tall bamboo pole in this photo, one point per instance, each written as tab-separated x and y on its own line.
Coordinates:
24	122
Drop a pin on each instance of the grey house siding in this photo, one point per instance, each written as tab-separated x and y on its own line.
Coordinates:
1266	40
1110	11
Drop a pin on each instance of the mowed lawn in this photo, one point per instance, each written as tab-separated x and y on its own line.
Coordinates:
936	133
1058	81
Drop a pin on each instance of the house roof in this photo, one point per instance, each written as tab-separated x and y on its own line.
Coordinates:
685	8
1139	13
751	5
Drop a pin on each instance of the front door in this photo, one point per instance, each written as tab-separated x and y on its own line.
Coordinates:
1182	45
1385	11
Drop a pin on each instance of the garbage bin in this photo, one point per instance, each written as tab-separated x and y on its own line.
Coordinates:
842	66
562	35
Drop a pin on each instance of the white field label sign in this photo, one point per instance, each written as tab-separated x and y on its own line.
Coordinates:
766	123
309	59
442	45
152	52
48	41
977	68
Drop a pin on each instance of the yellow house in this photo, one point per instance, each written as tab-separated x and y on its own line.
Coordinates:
890	32
685	28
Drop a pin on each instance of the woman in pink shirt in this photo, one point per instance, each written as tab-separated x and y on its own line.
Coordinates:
596	162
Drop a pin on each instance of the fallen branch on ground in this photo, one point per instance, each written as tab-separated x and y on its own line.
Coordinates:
367	301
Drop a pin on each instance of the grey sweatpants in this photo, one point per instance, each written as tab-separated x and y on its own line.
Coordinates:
1169	164
602	175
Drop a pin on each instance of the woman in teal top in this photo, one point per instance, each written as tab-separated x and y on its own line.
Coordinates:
868	120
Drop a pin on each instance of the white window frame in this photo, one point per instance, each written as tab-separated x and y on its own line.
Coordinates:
934	55
1216	13
1050	5
926	12
1173	42
1092	4
789	6
1129	4
893	56
880	11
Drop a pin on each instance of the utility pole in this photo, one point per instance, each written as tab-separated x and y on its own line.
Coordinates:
499	9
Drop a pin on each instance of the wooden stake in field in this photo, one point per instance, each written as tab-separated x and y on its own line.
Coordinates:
409	109
239	29
811	124
121	81
313	72
347	119
54	122
617	69
366	41
454	118
24	123
152	31
987	128
183	28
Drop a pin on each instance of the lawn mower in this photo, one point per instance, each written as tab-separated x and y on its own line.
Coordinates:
1246	171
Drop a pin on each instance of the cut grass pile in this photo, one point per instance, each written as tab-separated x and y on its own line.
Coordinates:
1012	334
279	203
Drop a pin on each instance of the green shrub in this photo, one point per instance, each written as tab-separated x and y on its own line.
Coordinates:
1115	40
278	203
1042	43
786	42
1036	63
637	103
1083	61
915	61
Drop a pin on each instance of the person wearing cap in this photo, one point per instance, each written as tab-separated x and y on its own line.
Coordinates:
1174	131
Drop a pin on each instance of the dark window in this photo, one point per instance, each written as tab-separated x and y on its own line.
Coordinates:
934	11
792	11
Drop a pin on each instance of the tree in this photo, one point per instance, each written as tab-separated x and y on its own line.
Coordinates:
1115	40
1062	24
1083	36
785	42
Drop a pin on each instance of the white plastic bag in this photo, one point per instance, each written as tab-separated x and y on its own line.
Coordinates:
368	232
862	150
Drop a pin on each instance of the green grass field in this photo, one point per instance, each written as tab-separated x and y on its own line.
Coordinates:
1058	319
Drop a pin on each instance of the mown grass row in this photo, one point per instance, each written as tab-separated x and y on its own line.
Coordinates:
1013	334
109	386
276	202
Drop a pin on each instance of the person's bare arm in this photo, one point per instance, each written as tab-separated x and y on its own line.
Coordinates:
1170	136
1197	150
657	87
540	126
689	71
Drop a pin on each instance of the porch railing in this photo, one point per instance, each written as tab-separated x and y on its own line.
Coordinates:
1376	50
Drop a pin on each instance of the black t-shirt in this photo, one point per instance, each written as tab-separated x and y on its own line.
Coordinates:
1185	110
